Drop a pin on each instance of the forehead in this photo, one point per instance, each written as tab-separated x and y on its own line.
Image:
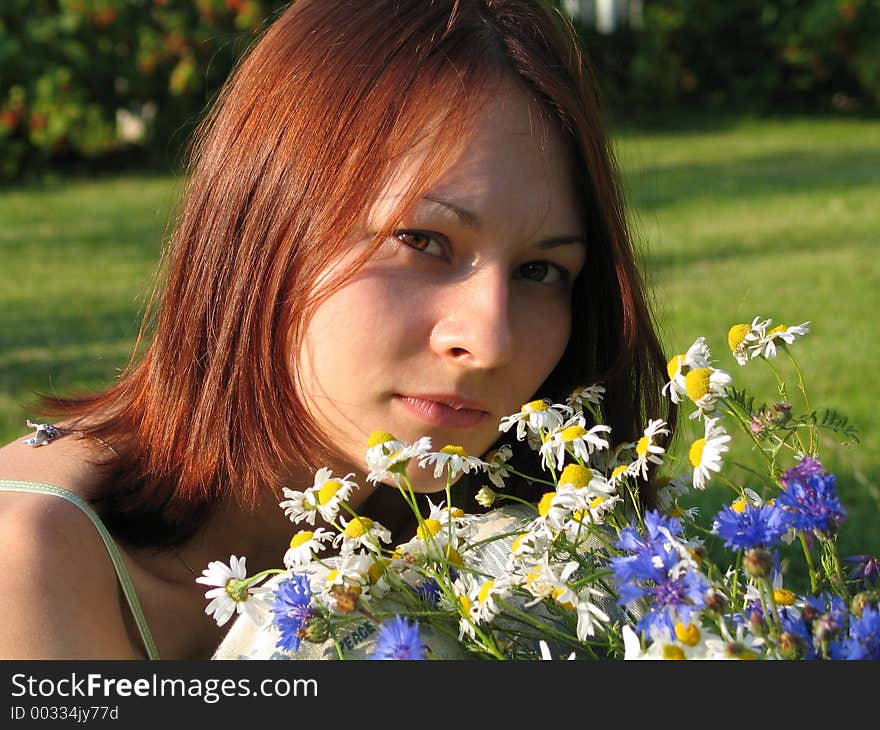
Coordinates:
512	161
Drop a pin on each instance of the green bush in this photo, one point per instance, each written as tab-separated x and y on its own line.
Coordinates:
90	80
750	55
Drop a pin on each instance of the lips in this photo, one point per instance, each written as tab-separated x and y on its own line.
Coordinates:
444	410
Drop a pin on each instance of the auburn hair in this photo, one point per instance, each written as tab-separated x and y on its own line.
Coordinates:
296	147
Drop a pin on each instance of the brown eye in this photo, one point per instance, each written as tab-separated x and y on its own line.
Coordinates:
424	242
543	272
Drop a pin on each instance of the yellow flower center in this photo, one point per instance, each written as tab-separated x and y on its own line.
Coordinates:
676	512
485	591
465	603
457	450
301	538
558	592
739	505
453	556
572	432
379	437
618	470
597	501
783	597
688	635
544	504
695	452
328	490
674	366
578	515
642	446
427	530
331	576
237	590
377	570
455	512
736	335
696	383
777	329
671	651
517	543
535	405
358	527
576	475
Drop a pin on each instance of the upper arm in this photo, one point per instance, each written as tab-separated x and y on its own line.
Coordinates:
61	597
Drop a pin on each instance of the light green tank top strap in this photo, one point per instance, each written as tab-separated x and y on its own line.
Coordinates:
7	485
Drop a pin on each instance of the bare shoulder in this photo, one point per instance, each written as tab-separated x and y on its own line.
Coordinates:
70	462
61	594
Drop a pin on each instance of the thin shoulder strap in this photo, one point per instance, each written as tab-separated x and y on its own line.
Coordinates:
112	549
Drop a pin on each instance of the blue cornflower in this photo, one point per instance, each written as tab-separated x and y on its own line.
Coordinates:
429	591
656	571
398	639
808	467
793	623
862	641
292	609
813	503
866	570
754	526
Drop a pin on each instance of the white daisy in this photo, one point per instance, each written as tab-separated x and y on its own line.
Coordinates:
454	459
647	450
484	607
497	461
232	593
545	651
705	453
669	491
572	435
679	365
352	572
387	457
590	616
536	415
704	386
305	544
766	346
585	396
742	337
688	642
361	532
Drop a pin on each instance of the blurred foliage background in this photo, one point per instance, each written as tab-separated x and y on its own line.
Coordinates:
107	82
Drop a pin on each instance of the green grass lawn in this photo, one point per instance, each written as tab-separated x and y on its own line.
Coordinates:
771	218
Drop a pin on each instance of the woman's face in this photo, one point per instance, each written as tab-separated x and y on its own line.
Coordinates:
465	310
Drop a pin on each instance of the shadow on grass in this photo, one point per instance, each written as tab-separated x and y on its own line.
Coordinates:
811	171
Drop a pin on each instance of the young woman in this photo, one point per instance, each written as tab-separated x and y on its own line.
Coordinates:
398	215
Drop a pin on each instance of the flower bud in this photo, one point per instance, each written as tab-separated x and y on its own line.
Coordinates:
756	623
316	630
791	646
863	600
485	497
716	601
781	413
825	627
758	563
345	597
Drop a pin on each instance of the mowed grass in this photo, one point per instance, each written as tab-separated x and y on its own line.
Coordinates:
771	218
778	219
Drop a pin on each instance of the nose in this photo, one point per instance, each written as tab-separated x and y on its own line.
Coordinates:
472	327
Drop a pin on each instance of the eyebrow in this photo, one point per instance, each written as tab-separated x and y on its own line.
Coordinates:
469	219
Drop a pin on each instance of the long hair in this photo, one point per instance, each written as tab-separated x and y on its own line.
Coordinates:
295	149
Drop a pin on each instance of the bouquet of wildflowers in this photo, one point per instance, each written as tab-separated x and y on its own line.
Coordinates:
586	572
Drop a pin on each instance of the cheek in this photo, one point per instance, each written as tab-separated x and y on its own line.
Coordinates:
352	337
542	331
